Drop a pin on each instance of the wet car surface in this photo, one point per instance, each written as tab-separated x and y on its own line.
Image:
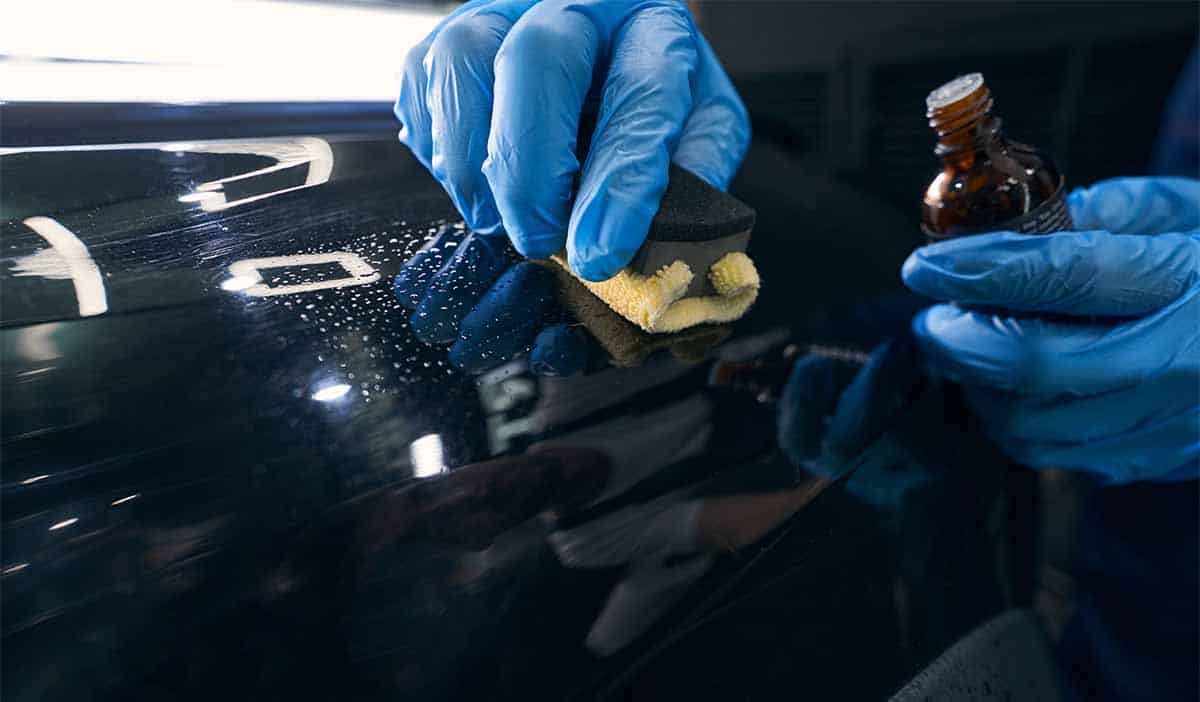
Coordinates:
229	468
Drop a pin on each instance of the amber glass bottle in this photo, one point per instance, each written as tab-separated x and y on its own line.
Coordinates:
987	182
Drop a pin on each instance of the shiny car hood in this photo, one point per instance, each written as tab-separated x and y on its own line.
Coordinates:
131	226
226	464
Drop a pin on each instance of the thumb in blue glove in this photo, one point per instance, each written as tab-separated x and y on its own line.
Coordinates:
490	102
1079	350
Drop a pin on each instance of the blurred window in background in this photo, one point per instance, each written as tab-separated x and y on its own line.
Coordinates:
195	51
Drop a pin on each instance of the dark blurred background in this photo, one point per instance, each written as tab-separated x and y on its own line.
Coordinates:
842	84
842	152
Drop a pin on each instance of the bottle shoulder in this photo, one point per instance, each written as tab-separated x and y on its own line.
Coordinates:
989	187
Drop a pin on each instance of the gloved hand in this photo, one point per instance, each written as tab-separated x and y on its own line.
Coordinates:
490	102
1079	350
470	291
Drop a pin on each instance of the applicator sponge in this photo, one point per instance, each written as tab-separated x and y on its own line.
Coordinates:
692	268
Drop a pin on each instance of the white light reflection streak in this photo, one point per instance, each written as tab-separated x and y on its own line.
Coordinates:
315	153
63	524
123	500
246	275
239	283
15	568
329	393
427	455
34	479
89	284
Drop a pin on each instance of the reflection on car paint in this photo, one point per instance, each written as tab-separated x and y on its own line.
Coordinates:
427	456
309	157
247	273
329	393
284	490
77	262
299	162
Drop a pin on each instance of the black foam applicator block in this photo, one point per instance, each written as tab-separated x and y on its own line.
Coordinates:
697	224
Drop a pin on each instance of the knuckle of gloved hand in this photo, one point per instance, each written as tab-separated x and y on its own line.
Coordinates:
412	75
413	65
541	39
465	41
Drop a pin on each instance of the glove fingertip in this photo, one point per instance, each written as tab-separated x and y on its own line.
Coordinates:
600	268
912	271
605	236
538	245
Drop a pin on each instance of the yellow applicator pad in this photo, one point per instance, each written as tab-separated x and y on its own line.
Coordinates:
658	303
628	346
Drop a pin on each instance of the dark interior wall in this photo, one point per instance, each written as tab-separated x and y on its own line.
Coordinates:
841	85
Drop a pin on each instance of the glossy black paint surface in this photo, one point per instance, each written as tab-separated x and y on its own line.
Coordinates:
215	485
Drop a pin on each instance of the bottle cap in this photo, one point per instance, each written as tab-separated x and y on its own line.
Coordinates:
955	90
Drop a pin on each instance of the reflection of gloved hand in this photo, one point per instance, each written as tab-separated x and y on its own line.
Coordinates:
831	410
490	102
466	289
1111	389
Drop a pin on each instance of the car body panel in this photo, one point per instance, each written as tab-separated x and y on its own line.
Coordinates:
229	468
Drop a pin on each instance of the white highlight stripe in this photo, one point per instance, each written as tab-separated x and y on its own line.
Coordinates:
89	284
247	275
64	523
428	456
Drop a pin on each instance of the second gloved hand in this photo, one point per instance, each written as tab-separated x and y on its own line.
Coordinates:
1079	350
491	102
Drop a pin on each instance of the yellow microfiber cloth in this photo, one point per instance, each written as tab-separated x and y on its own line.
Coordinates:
658	303
628	346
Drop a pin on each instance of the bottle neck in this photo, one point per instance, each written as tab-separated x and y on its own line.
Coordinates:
965	127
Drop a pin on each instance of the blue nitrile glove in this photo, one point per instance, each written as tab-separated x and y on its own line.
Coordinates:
490	102
469	290
1079	350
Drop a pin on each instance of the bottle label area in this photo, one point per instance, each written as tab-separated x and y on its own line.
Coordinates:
1053	215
